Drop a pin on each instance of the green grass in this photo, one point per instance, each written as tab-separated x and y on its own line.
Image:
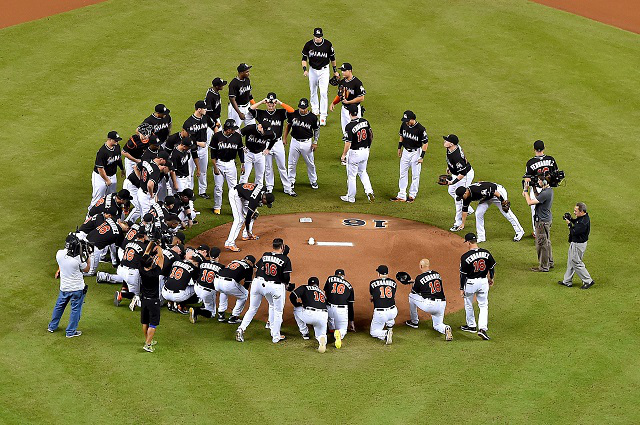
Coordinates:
500	74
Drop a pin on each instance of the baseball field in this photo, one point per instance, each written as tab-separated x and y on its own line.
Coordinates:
498	73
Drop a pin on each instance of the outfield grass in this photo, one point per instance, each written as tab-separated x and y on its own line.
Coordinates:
500	74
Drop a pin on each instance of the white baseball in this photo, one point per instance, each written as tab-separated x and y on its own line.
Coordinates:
312	241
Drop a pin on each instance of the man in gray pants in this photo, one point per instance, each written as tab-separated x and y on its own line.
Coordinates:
579	229
543	218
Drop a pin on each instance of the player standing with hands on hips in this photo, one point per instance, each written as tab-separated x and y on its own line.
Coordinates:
358	137
412	147
317	53
579	229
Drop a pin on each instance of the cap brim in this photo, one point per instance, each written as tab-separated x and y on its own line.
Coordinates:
269	205
406	119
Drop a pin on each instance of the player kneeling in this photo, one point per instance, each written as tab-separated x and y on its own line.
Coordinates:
339	305
310	308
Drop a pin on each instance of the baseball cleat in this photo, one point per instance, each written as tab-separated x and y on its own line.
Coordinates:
232	248
133	303
482	333
455	228
322	344
280	338
292	194
448	335
193	316
568	285
389	338
181	310
216	211
75	334
410	199
101	277
148	348
396	199
411	324
240	335
221	317
251	238
518	236
117	299
466	328
205	196
267	325
305	336
371	197
345	198
587	285
234	320
314	185
323	121
338	337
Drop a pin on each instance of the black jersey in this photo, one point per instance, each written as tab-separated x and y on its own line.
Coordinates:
133	252
352	88
274	119
105	234
226	147
182	275
429	285
318	55
358	132
238	270
149	171
149	155
274	267
255	141
174	140
91	223
241	90
457	162
180	161
135	146
150	282
197	128
161	126
109	159
383	292
480	191
170	257
208	272
413	137
214	106
106	205
544	162
310	296
474	264
253	194
303	127
131	234
338	290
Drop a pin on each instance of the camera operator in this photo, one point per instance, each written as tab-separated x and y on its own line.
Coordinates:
73	261
150	271
542	201
579	229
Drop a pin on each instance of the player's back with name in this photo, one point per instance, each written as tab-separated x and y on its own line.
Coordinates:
302	126
131	234
358	132
311	296
383	292
182	272
482	191
429	285
338	291
476	263
238	270
208	271
273	266
170	257
133	252
105	234
106	204
250	192
148	171
544	162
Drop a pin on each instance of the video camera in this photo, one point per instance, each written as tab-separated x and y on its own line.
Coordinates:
553	178
78	247
158	235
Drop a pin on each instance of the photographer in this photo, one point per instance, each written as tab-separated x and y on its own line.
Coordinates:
150	271
542	218
73	261
579	229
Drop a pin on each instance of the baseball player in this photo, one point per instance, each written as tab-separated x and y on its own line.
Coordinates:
225	145
134	148
540	161
108	159
476	276
171	255
196	126
412	147
274	118
149	175
427	294
180	157
161	122
108	232
245	200
273	273
340	298
460	173
128	273
487	194
229	282
214	105
305	131
316	54
258	141
358	137
113	204
204	285
383	297
179	286
350	92
240	96
310	308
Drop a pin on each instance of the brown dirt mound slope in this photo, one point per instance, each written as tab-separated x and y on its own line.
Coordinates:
623	14
18	11
400	244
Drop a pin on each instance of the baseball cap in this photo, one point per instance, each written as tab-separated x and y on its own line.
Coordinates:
181	247
198	257
270	198
408	116
168	163
317	32
161	109
218	82
169	200
346	67
250	258
188	193
460	191
124	194
163	155
271	97
201	105
538	145
181	237
204	247
114	136
304	103
148	218
229	124
171	217
214	252
339	272
244	67
186	141
352	109
451	138
382	269
141	231
470	237
313	281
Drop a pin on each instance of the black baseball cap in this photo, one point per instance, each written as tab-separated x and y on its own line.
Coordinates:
186	141
229	124
218	82
250	258
201	105
382	269
538	145
188	193
408	116
124	194
339	272
168	163
304	103
181	237
169	200
163	155
451	138
148	218
244	67
214	252
460	191
470	237
161	109
352	109
317	32
114	136
171	217
271	97
313	281
346	67
270	198
204	247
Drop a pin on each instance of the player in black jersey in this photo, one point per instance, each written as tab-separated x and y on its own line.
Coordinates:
427	294
358	137
258	141
108	232
240	96
383	297
305	130
161	122
310	308
317	53
129	271
477	270
205	287
543	162
245	199
134	148
214	105
273	273
350	92
113	204
461	174
276	119
487	193
108	160
234	280
225	145
412	147
180	157
178	287
196	126
149	174
340	298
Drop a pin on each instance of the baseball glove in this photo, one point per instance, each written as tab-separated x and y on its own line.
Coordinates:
334	81
443	180
506	205
404	278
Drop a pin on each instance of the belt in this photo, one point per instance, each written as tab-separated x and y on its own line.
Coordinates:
318	69
205	288
475	279
304	140
226	278
171	290
152	299
337	306
384	309
314	309
412	149
360	149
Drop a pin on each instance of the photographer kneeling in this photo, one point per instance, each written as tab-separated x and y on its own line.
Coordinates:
579	229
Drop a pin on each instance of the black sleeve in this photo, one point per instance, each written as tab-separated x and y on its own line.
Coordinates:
286	278
577	228
294	299
492	273
463	280
101	159
241	154
350	308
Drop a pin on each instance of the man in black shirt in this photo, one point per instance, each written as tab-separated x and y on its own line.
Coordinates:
214	105
310	308
412	147
350	92
234	280
579	229
542	162
178	287
180	157
383	296
245	199
108	232
196	126
128	273
317	53
461	174
240	96
161	122
427	294
305	130
225	145
205	287
150	270
112	204
340	298
477	271
135	147
258	141
358	137
108	160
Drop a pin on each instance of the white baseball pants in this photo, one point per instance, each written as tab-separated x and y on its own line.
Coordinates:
357	166
274	294
338	318
232	288
345	118
297	149
434	307
228	172
233	115
95	261
203	160
277	153
482	209
464	182
532	195
133	190
99	188
145	200
251	161
180	296
207	296
316	318
192	170
409	160
479	288
319	80
382	317
239	210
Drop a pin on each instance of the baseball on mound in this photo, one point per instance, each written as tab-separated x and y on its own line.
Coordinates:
312	241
